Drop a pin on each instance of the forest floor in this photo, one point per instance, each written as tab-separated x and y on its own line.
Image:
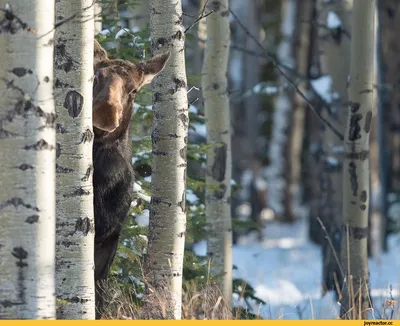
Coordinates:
286	272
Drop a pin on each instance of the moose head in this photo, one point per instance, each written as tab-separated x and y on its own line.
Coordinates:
115	84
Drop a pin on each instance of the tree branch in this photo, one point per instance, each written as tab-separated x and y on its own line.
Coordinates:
200	17
281	71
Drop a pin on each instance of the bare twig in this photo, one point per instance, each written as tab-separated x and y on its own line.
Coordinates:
331	245
280	70
326	27
200	17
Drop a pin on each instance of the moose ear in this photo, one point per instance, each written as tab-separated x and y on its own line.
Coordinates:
99	54
107	105
154	66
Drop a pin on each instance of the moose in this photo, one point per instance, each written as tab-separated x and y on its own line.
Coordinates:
116	82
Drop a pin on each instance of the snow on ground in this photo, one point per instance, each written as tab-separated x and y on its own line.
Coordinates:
286	272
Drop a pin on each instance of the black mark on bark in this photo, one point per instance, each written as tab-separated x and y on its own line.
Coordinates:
353	178
155	135
77	193
356	232
24	167
82	225
32	219
354	132
76	300
39	146
178	84
183	117
62	59
60	129
157	98
87	174
177	36
158	201
21	254
368	119
219	166
23	107
16	201
354	106
182	203
362	156
363	196
61	169
6	134
73	103
183	152
160	153
9	304
214	5
225	13
60	84
58	150
365	91
220	192
87	136
11	23
20	72
158	115
160	42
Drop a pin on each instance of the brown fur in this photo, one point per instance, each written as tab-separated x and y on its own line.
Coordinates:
115	84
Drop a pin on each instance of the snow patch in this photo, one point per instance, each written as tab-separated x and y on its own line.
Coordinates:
286	272
191	197
143	218
200	248
200	128
333	21
323	87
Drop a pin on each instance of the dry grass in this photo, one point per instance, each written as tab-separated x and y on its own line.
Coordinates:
205	302
199	302
355	293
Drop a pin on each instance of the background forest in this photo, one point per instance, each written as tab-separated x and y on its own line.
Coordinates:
292	185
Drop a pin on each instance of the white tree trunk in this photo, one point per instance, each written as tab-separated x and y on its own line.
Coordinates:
27	151
170	130
98	19
219	162
303	42
333	44
356	181
73	75
278	193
